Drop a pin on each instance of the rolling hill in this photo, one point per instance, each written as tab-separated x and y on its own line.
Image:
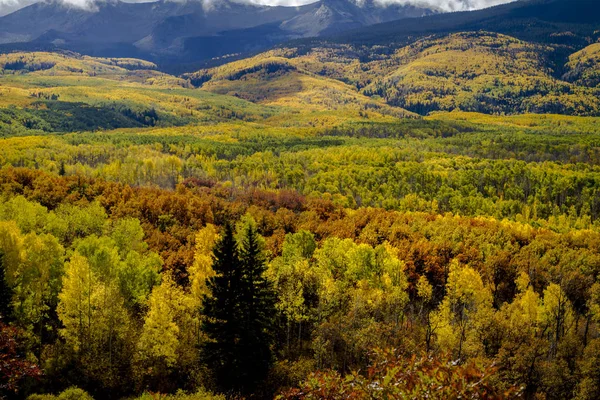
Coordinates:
65	92
432	64
274	80
482	72
473	71
583	67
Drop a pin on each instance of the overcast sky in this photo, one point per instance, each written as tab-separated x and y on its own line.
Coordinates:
8	6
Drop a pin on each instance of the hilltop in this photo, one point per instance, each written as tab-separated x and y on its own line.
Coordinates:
275	80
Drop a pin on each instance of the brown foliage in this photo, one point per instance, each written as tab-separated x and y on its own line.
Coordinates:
394	376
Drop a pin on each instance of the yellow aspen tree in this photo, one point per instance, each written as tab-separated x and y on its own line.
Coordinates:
75	307
201	269
464	312
168	339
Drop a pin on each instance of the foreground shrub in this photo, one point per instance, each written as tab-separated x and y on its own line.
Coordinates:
69	394
395	376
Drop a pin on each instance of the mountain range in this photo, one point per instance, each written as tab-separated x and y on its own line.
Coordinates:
186	36
186	31
540	56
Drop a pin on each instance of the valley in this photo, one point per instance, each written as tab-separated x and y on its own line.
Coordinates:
359	209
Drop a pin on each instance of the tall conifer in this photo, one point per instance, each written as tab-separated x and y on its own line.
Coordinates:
238	312
258	306
5	294
222	322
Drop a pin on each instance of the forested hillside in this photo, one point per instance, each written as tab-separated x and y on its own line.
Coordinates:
583	67
65	92
325	220
480	72
470	71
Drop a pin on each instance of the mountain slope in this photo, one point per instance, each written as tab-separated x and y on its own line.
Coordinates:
127	21
545	21
583	67
335	16
222	16
67	92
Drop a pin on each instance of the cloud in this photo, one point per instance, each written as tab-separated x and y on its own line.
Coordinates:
8	6
450	5
289	3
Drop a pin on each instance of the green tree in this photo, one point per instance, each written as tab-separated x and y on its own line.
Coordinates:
5	294
257	304
37	286
97	327
239	311
523	346
589	386
201	270
221	309
464	313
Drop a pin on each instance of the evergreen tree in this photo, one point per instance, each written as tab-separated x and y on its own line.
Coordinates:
222	322
239	312
258	309
61	170
5	294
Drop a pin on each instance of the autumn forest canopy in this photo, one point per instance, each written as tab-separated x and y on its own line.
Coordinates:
404	214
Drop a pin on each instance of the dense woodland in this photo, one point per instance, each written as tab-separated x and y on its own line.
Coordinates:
107	285
288	226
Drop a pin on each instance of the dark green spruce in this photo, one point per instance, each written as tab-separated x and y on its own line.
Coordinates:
258	307
239	314
5	294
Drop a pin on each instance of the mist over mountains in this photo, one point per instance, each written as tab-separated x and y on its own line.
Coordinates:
9	6
188	30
